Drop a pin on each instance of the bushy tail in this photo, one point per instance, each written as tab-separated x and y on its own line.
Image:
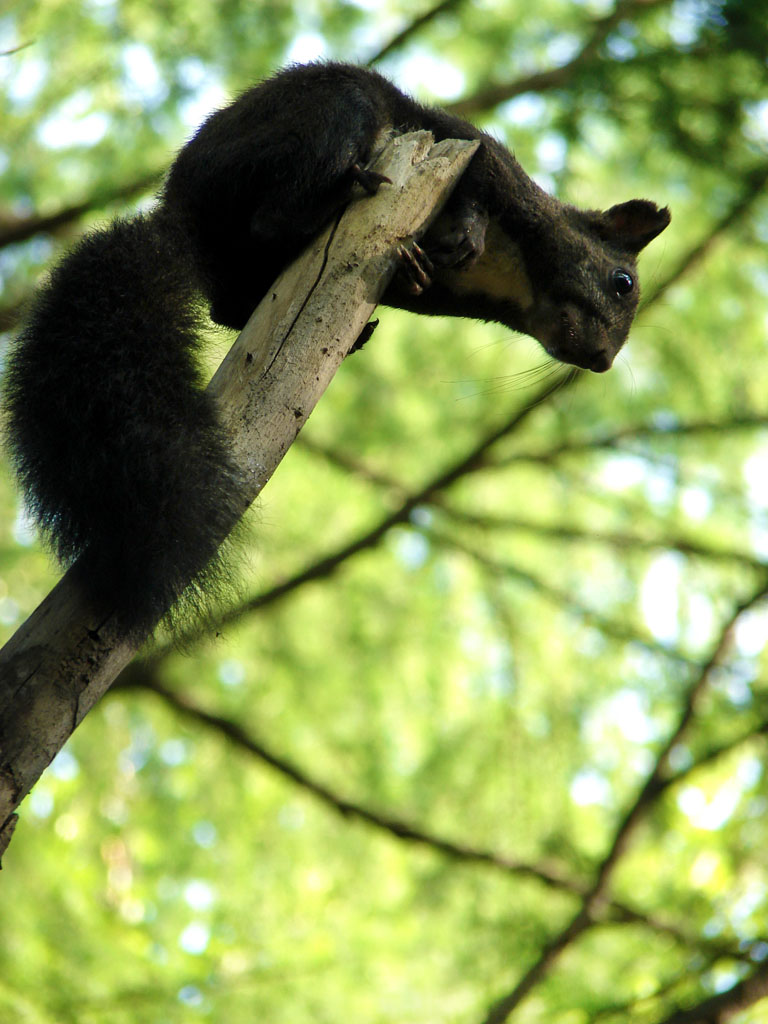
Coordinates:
117	447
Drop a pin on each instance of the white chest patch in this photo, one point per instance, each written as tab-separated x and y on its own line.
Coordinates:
499	273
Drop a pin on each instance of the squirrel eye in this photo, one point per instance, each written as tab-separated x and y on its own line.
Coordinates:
622	282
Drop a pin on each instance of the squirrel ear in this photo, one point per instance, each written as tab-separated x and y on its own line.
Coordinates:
635	223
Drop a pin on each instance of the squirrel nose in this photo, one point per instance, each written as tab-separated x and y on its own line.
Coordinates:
599	362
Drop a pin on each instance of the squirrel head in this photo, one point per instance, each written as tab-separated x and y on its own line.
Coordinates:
584	282
566	277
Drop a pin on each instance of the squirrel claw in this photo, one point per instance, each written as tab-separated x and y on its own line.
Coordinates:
364	336
370	180
416	268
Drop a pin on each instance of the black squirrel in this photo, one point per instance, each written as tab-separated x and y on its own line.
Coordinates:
115	443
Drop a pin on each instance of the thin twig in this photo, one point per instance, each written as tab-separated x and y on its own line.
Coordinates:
589	910
722	1006
411	29
23	228
753	189
556	78
140	677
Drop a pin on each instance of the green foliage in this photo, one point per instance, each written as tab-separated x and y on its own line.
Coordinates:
506	747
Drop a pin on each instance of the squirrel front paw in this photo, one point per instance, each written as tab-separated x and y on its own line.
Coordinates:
457	240
415	270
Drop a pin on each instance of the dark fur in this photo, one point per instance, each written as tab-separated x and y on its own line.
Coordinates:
117	447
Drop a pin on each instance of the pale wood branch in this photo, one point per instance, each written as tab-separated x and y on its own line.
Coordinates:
66	655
